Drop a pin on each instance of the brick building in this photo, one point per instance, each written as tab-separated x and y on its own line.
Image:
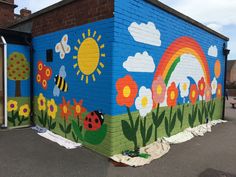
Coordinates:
113	75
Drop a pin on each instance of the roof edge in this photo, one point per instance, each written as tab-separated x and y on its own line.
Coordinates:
186	18
41	12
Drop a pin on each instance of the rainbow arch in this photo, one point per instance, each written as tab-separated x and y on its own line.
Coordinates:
171	57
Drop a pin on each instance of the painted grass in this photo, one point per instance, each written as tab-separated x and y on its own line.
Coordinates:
115	141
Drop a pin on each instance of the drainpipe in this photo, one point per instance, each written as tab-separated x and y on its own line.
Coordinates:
226	53
5	81
31	80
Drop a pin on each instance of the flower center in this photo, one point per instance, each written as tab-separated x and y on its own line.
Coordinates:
172	95
219	92
193	94
159	90
25	110
144	102
214	86
126	91
12	105
78	109
65	109
201	87
185	86
41	102
51	108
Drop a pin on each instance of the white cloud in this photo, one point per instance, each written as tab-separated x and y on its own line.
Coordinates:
213	51
140	63
145	33
215	27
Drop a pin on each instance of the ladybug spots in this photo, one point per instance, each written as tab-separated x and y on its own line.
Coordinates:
93	121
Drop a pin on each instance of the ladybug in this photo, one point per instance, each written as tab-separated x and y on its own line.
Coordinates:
93	121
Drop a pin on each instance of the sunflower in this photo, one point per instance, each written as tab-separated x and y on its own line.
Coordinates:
41	102
52	108
12	106
24	110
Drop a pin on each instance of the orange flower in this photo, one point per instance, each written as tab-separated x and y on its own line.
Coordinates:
78	108
65	111
201	86
193	96
127	90
172	95
219	91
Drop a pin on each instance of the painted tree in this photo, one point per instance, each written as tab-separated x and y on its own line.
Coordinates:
18	69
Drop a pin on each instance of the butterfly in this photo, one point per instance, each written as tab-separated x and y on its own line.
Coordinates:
62	47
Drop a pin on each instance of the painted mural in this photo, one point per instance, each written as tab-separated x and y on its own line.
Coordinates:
117	91
18	74
72	103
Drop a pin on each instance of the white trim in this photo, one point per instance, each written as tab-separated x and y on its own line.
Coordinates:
5	81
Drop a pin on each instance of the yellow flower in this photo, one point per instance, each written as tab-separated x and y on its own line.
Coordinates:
41	102
24	110
52	108
12	106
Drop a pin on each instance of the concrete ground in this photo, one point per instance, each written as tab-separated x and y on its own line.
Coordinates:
24	154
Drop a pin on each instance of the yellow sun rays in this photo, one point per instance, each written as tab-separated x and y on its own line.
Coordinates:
89	56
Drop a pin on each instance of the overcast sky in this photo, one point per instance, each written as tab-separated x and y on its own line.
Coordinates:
219	15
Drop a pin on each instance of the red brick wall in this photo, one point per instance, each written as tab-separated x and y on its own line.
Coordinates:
6	14
77	13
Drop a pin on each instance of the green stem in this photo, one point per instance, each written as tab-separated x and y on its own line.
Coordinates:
182	116
170	118
132	126
21	120
157	112
65	126
13	118
144	125
50	123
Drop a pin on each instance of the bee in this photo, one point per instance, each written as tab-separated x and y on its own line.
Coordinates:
60	83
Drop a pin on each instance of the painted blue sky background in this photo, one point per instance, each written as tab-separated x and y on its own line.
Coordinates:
216	14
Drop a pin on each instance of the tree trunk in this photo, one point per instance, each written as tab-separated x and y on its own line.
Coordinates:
18	88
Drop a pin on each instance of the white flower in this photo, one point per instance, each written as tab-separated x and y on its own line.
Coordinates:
144	102
214	86
184	88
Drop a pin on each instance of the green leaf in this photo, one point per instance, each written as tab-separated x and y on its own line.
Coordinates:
190	120
160	119
180	117
10	119
53	126
136	124
96	137
68	129
173	121
154	119
149	134
199	116
167	126
62	128
77	130
40	120
127	131
74	137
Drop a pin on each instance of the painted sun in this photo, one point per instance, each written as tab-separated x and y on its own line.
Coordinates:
89	56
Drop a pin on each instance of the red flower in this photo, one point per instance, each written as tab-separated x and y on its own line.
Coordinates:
78	108
201	86
65	111
127	90
219	91
172	95
193	96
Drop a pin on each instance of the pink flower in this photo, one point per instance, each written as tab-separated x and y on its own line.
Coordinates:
208	93
158	90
